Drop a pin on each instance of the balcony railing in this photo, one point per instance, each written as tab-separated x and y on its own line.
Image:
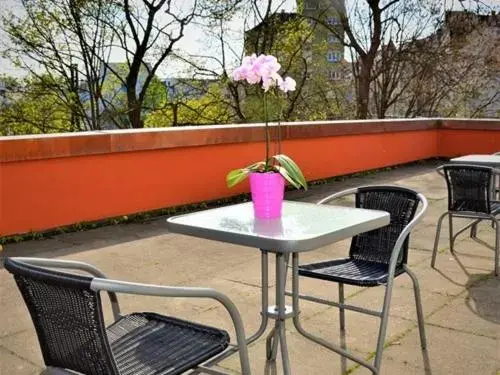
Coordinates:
49	181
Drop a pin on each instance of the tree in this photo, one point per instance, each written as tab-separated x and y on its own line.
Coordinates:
289	37
367	25
67	41
200	107
62	36
30	106
451	73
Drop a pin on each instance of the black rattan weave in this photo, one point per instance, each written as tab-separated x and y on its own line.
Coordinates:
68	320
151	344
349	271
469	188
370	252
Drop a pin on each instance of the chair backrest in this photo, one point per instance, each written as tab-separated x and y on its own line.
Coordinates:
377	245
68	318
469	187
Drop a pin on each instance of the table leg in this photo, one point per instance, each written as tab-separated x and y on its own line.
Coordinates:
272	345
265	297
278	334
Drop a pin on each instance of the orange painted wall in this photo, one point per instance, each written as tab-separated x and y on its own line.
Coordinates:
50	192
454	142
43	194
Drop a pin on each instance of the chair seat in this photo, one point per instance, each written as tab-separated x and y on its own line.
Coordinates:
349	271
152	344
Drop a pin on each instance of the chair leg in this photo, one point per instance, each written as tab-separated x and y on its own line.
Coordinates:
383	327
436	240
418	304
497	248
452	240
473	231
343	360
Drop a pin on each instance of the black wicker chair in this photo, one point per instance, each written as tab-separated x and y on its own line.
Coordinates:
470	195
67	313
375	259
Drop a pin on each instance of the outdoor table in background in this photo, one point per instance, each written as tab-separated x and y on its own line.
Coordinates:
484	160
302	227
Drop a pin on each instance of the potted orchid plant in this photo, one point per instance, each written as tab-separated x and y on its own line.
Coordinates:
267	177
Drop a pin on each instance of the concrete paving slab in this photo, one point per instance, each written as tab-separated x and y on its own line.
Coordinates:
391	367
306	357
450	352
11	364
14	313
431	187
361	330
35	248
402	301
474	311
24	345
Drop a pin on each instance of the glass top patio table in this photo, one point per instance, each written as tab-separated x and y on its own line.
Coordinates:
302	227
485	160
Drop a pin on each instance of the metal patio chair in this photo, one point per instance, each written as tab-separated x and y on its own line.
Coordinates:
470	196
497	182
375	259
68	317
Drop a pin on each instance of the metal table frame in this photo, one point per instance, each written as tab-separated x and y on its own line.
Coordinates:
282	250
482	160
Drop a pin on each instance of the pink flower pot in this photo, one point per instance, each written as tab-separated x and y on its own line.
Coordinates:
267	194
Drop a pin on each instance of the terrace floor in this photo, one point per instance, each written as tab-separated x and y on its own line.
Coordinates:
461	298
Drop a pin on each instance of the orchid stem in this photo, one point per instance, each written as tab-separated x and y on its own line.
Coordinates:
280	113
266	167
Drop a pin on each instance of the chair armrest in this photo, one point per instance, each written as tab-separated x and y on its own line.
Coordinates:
440	170
338	195
404	234
75	265
116	286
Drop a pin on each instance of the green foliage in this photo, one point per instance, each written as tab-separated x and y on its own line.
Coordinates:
281	164
301	50
33	106
114	95
208	108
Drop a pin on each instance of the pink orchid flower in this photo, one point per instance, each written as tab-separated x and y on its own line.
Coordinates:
263	69
288	84
271	81
240	73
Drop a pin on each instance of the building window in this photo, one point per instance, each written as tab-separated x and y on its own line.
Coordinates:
333	56
310	5
333	21
335	75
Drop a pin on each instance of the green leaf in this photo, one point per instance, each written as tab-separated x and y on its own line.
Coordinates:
256	166
292	169
236	176
282	171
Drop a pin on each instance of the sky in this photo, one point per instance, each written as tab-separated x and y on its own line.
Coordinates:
195	41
